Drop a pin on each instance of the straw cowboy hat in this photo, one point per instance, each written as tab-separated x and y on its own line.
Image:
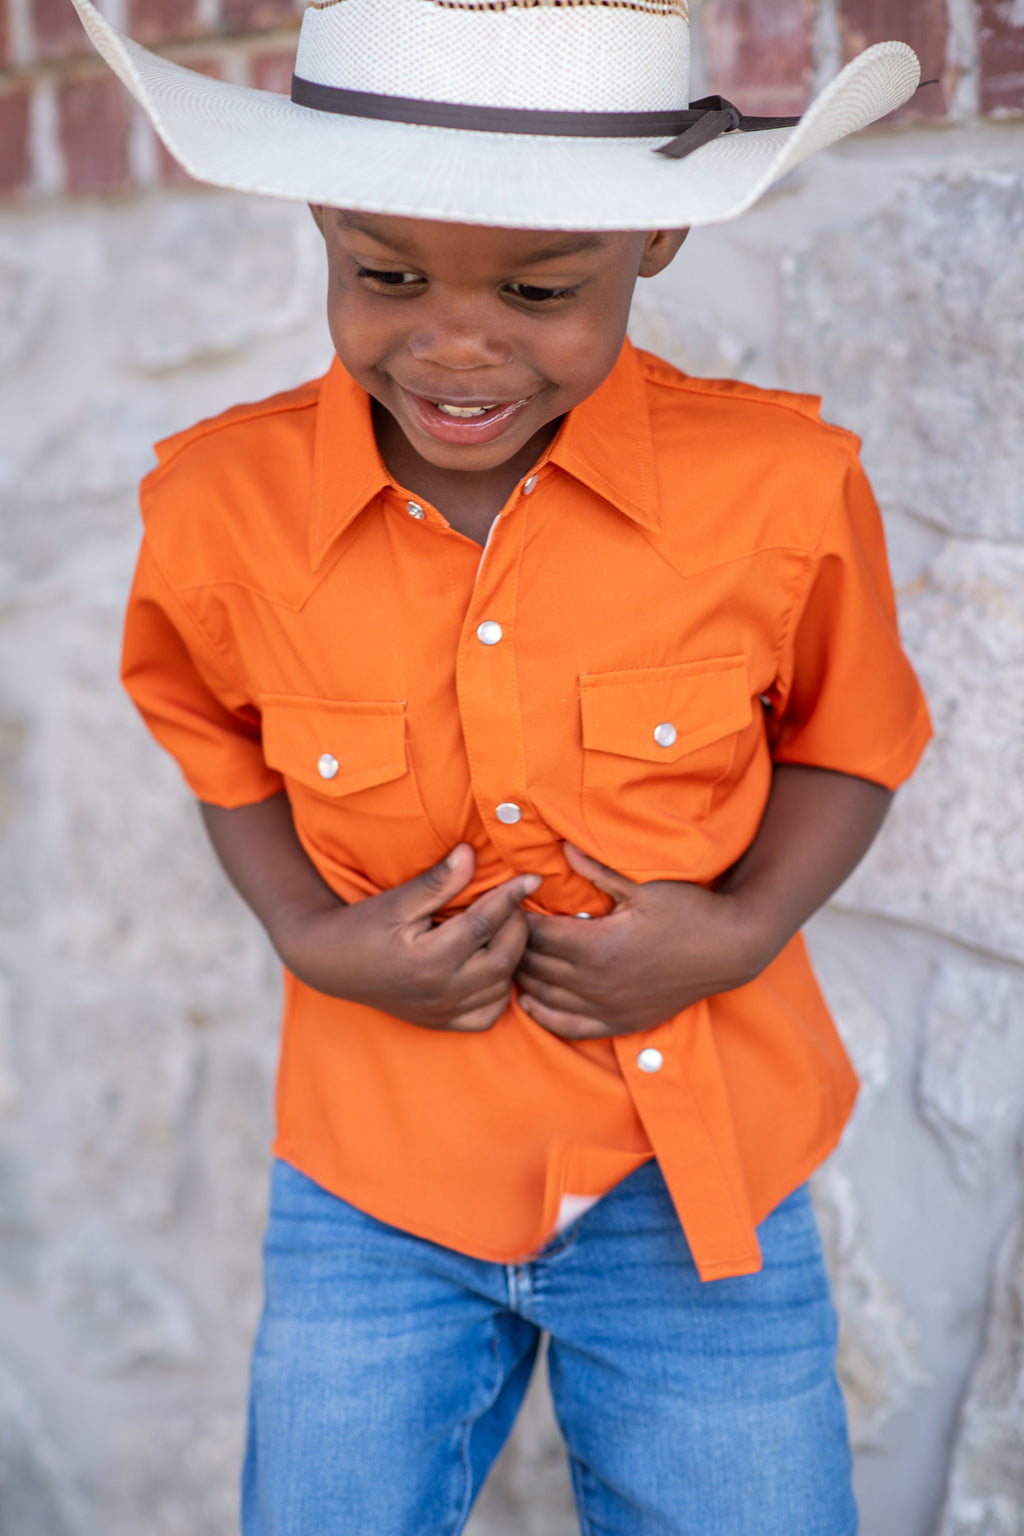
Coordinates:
543	114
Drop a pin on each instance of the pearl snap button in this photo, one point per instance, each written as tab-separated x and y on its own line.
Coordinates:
650	1060
415	510
529	485
327	766
488	633
508	812
665	734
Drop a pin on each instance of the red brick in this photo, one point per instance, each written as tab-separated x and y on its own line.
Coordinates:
162	21
760	53
256	15
57	30
921	23
95	116
1002	56
15	154
168	169
273	71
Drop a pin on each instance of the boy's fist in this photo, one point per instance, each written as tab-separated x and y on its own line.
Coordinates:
388	953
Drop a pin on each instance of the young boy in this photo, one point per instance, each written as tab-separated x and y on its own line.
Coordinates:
535	696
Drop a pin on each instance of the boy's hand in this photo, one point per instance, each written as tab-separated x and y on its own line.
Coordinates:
668	944
665	945
387	952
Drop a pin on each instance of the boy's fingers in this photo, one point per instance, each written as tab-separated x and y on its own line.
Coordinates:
558	969
437	886
570	1026
558	999
619	887
480	925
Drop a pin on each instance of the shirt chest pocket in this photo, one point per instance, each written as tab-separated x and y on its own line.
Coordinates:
656	742
353	792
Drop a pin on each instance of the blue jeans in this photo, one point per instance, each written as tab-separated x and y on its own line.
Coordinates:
387	1372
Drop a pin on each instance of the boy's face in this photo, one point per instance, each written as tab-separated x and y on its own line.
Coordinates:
477	340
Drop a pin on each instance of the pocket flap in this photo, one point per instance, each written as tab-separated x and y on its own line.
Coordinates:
688	706
305	738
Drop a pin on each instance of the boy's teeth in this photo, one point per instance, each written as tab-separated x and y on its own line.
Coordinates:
465	410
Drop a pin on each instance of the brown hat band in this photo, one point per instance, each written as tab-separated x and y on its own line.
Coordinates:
705	120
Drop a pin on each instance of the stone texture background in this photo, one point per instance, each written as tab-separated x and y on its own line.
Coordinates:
138	1001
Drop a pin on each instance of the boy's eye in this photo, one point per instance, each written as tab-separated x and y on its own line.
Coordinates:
535	295
389	279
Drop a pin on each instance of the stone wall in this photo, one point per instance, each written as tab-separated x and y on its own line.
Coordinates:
138	1000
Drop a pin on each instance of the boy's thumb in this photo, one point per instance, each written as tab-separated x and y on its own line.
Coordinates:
619	887
441	883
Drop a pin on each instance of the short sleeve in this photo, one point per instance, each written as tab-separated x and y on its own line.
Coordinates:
847	697
185	689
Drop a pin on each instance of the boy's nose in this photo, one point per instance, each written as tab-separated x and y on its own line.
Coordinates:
459	348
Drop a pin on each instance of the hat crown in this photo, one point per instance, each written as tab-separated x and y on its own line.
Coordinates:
540	55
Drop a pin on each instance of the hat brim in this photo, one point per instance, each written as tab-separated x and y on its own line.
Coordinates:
258	141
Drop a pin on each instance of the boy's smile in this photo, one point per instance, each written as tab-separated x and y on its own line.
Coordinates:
474	342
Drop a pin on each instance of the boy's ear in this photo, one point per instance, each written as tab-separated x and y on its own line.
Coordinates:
659	248
318	215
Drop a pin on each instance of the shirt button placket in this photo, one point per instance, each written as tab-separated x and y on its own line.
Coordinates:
489	697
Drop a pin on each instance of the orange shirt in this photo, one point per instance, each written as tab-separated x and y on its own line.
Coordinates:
688	552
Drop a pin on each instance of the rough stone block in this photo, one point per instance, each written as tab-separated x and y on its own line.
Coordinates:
986	1487
921	23
122	1311
15	151
26	285
1001	35
911	324
965	1088
178	1472
950	858
37	1492
161	21
95	118
877	1359
760	54
222	275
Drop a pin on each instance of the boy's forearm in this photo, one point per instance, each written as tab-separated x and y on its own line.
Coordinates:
816	828
266	863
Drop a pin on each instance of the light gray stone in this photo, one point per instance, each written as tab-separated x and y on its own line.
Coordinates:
220	274
911	324
692	340
26	283
177	1473
120	1110
864	1033
122	1310
986	1486
11	1093
878	1356
951	857
38	1496
234	1128
964	1088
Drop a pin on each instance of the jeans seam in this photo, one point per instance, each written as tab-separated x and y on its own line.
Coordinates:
466	1507
576	1473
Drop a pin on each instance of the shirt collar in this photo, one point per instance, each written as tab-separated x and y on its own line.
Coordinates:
605	443
348	471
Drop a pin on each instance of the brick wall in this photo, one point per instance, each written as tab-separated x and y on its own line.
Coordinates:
67	126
